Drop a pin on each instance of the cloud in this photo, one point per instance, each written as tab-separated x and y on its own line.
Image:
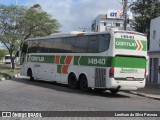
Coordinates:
73	14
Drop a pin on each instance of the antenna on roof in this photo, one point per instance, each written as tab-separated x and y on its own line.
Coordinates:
84	28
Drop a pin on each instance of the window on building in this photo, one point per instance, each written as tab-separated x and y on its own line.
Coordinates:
118	24
109	24
104	23
154	34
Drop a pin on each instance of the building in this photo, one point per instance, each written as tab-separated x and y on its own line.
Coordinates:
154	52
113	18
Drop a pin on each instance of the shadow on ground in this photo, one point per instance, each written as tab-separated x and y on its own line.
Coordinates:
66	88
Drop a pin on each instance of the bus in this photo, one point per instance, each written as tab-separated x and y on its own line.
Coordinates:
7	59
113	60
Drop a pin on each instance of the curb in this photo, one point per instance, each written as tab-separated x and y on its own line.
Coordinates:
10	77
143	95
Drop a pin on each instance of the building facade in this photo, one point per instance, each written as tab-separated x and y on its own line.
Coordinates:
154	52
113	18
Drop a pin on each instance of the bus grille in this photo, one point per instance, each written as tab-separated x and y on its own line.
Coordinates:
100	77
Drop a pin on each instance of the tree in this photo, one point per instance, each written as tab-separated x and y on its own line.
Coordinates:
38	23
145	10
3	52
10	18
17	23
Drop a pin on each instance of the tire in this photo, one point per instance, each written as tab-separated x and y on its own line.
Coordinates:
31	75
99	89
114	91
72	81
84	84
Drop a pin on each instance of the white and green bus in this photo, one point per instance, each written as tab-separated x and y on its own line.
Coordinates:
112	60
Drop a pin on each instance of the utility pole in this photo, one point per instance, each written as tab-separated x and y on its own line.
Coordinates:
125	14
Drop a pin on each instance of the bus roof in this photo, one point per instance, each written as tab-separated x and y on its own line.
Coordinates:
79	33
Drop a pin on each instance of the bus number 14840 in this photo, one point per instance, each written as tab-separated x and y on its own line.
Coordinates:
96	61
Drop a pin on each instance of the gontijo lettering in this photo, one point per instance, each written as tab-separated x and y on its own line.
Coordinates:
37	59
126	44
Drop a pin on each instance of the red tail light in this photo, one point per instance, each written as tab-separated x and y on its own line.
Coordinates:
145	73
111	72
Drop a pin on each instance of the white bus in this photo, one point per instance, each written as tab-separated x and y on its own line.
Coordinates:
7	59
112	60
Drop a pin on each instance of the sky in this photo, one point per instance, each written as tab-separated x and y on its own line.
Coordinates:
71	14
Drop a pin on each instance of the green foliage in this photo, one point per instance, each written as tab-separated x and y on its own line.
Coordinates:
38	23
3	52
17	23
145	10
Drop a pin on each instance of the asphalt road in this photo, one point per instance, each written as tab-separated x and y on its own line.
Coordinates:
20	94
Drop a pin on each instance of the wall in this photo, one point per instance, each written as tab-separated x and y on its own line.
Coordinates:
155	36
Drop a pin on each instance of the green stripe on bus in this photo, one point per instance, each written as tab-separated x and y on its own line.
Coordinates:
41	58
130	44
76	58
129	62
93	61
144	43
126	62
97	61
59	68
62	59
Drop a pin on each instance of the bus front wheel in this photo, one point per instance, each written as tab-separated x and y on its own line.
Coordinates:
30	74
84	83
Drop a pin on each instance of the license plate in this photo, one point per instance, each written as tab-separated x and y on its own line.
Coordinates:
130	78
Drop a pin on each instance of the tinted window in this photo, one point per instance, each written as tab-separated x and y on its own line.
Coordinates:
93	44
104	41
81	44
24	52
40	44
25	46
58	45
68	44
48	46
32	46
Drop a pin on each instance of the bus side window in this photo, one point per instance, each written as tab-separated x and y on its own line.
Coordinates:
32	48
81	44
58	45
23	52
47	46
104	41
40	46
29	46
68	44
93	46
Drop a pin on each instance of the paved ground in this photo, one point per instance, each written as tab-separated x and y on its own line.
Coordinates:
150	90
20	94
